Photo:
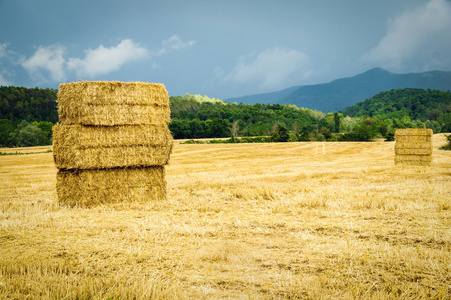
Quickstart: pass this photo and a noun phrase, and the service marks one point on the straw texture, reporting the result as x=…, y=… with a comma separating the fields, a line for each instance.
x=104, y=158
x=413, y=146
x=418, y=160
x=108, y=186
x=112, y=142
x=103, y=103
x=413, y=132
x=112, y=136
x=92, y=147
x=413, y=139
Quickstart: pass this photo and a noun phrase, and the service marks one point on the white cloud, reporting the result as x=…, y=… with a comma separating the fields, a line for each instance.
x=105, y=60
x=420, y=38
x=3, y=71
x=174, y=43
x=50, y=59
x=3, y=50
x=51, y=63
x=269, y=68
x=4, y=81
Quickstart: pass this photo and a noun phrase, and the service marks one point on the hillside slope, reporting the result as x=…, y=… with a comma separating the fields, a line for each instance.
x=264, y=98
x=341, y=93
x=417, y=103
x=430, y=106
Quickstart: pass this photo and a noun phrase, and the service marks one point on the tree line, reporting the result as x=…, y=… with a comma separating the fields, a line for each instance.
x=208, y=119
x=28, y=115
x=433, y=107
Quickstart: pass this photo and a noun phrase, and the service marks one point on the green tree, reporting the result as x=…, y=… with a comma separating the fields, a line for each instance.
x=337, y=122
x=180, y=129
x=445, y=122
x=27, y=135
x=218, y=128
x=46, y=127
x=280, y=133
x=390, y=136
x=447, y=146
x=197, y=128
x=6, y=128
x=304, y=137
x=31, y=135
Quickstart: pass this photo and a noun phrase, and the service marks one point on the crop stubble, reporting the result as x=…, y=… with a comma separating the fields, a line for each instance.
x=288, y=220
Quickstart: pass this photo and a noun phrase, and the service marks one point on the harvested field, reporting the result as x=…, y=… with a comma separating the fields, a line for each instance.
x=244, y=221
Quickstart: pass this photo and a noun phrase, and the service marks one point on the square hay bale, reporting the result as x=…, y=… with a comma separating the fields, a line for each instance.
x=87, y=188
x=413, y=146
x=413, y=151
x=413, y=132
x=413, y=139
x=105, y=103
x=424, y=145
x=415, y=160
x=103, y=147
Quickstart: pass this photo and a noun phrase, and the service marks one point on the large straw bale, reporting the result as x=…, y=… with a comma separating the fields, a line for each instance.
x=99, y=147
x=103, y=158
x=111, y=136
x=87, y=188
x=104, y=103
x=112, y=142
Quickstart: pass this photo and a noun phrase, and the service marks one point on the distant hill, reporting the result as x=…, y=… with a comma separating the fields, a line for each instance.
x=430, y=106
x=417, y=103
x=264, y=98
x=341, y=93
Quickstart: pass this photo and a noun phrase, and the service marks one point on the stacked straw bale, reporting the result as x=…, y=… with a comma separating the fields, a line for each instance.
x=413, y=147
x=112, y=142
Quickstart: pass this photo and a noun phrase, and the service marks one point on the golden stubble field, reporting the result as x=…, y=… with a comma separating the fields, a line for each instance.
x=245, y=221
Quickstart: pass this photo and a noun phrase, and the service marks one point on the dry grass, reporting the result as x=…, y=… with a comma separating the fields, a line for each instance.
x=246, y=221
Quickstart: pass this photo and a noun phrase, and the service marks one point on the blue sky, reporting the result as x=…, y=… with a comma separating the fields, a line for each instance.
x=219, y=48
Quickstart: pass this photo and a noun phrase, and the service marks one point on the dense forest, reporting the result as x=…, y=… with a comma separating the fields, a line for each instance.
x=433, y=107
x=28, y=115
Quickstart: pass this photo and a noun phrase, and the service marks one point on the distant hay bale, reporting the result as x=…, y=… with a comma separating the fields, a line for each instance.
x=418, y=160
x=98, y=147
x=413, y=139
x=104, y=103
x=413, y=151
x=112, y=142
x=413, y=146
x=413, y=132
x=425, y=145
x=86, y=188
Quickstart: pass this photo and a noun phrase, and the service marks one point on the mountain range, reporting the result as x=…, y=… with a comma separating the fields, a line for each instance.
x=344, y=92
